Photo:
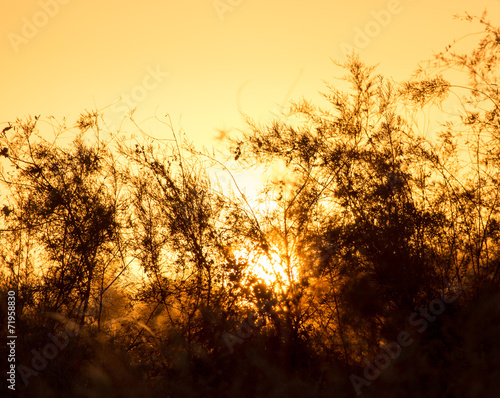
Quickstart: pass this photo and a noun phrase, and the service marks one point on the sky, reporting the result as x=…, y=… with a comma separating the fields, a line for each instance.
x=203, y=61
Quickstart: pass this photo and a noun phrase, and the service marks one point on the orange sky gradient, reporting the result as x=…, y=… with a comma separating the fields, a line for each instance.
x=205, y=61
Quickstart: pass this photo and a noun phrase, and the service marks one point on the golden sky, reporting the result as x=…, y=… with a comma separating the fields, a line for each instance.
x=204, y=61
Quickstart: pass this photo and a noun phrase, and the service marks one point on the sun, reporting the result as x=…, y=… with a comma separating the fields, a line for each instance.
x=270, y=267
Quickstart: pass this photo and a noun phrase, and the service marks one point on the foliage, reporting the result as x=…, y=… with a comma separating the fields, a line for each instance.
x=374, y=218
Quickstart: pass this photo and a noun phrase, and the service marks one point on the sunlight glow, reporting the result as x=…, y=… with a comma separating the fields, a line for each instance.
x=270, y=269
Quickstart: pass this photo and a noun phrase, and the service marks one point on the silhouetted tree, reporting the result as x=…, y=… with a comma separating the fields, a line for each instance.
x=373, y=224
